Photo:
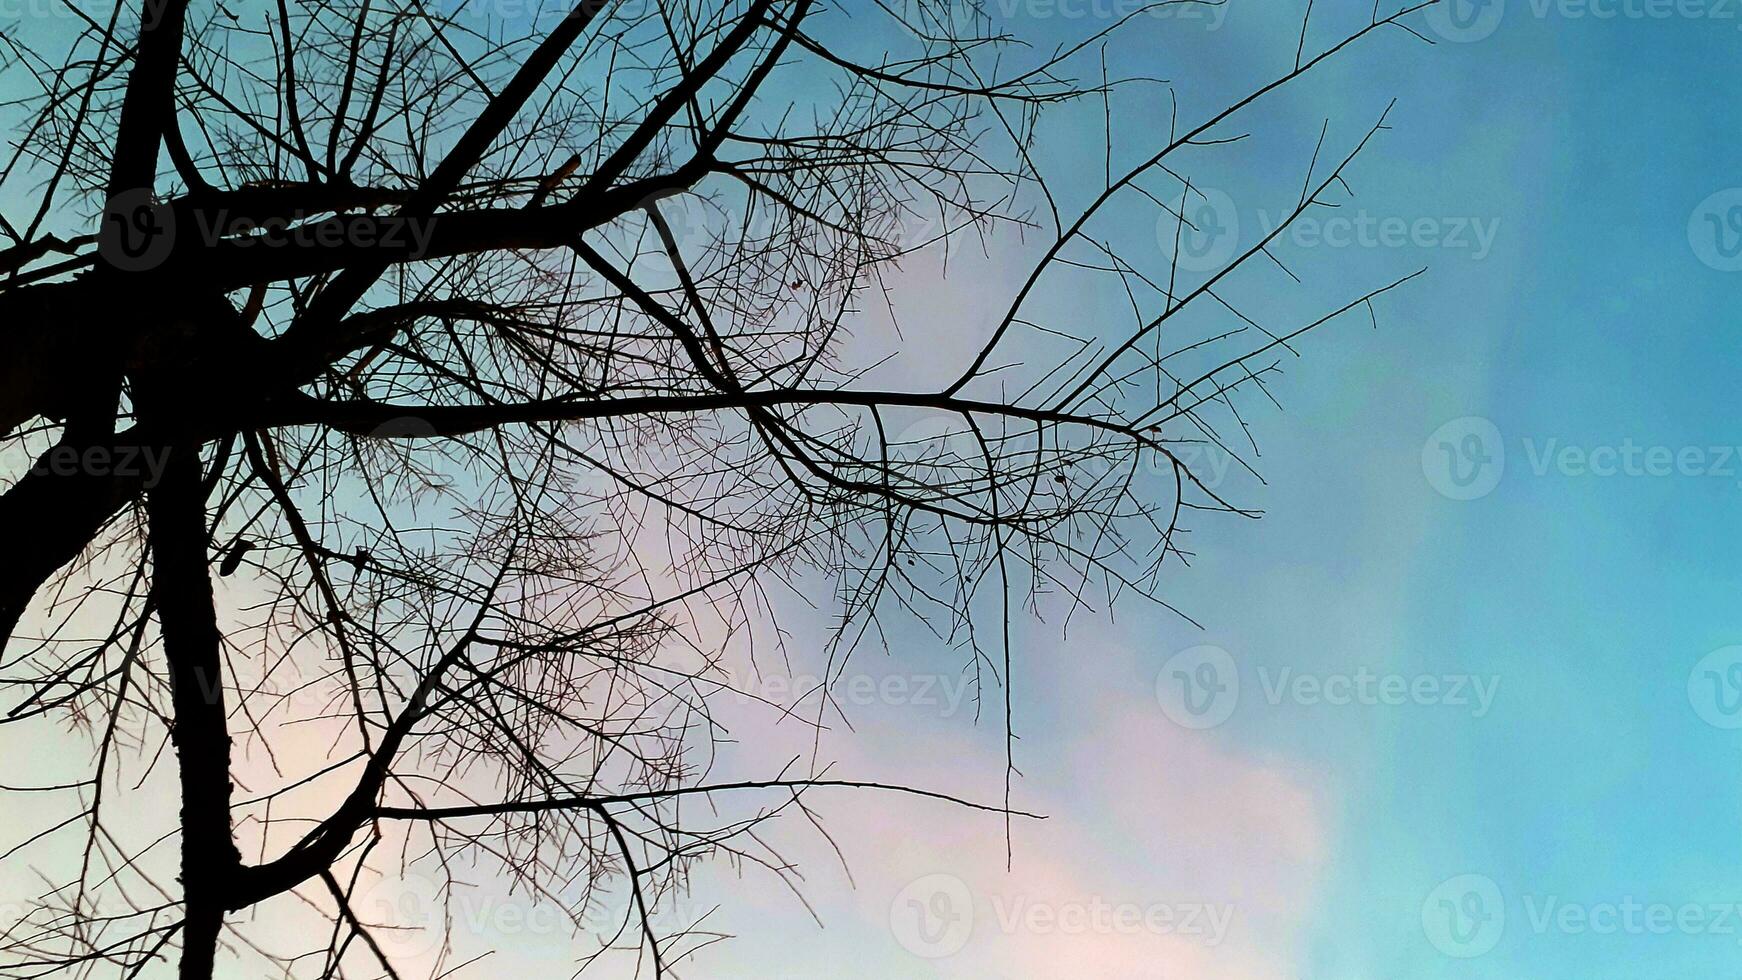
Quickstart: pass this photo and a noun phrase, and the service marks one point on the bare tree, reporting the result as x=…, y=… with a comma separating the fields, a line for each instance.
x=501, y=365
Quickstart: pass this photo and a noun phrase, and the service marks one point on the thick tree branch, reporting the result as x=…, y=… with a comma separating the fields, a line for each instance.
x=182, y=592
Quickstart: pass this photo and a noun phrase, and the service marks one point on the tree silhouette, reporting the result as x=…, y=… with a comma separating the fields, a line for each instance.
x=501, y=367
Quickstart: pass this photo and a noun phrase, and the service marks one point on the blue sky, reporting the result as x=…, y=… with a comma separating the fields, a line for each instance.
x=1593, y=782
x=1594, y=323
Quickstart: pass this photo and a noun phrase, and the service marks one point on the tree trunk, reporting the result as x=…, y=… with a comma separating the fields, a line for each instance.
x=182, y=588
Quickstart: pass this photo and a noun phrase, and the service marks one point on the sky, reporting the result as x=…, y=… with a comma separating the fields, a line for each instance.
x=1467, y=701
x=1484, y=724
